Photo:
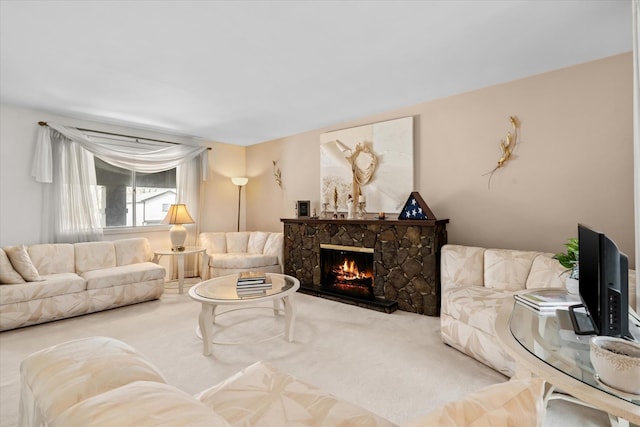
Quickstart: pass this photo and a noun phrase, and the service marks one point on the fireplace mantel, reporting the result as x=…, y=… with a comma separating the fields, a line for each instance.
x=406, y=258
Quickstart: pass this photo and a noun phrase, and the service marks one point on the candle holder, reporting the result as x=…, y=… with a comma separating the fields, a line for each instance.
x=361, y=209
x=335, y=209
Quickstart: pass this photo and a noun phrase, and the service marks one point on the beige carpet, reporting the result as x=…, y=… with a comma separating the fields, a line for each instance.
x=392, y=364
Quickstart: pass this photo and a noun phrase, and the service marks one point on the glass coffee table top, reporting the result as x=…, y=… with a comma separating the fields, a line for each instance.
x=224, y=288
x=551, y=340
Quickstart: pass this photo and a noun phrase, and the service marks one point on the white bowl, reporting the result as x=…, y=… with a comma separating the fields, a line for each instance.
x=617, y=363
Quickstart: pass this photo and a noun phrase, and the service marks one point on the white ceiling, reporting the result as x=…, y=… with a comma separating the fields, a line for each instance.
x=244, y=72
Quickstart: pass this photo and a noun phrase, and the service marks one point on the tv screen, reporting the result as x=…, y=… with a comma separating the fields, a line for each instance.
x=604, y=287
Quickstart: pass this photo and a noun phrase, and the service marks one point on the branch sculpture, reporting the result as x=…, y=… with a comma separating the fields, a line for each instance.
x=277, y=174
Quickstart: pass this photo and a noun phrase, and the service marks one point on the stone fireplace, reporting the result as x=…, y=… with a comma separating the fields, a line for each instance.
x=405, y=256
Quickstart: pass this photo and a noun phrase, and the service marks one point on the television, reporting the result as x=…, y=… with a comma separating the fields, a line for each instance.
x=603, y=288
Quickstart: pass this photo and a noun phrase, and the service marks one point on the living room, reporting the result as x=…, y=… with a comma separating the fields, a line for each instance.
x=573, y=161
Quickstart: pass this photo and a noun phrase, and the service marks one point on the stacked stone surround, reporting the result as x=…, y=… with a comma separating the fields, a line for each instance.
x=406, y=256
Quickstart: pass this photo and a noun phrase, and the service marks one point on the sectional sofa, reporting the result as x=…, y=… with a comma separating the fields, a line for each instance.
x=100, y=381
x=46, y=282
x=475, y=282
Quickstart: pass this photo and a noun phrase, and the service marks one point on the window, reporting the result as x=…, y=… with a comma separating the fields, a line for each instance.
x=131, y=199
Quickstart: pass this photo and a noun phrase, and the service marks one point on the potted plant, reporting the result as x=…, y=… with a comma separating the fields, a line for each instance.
x=569, y=260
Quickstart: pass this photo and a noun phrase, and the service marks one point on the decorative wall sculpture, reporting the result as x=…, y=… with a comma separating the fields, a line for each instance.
x=372, y=163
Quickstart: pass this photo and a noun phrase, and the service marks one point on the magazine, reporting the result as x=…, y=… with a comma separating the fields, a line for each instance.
x=548, y=299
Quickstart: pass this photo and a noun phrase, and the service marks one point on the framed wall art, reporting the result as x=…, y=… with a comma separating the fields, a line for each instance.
x=303, y=208
x=372, y=163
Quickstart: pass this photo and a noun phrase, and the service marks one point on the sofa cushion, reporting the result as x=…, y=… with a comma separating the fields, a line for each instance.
x=274, y=245
x=214, y=242
x=140, y=403
x=55, y=378
x=123, y=275
x=132, y=251
x=476, y=306
x=237, y=242
x=262, y=396
x=517, y=402
x=53, y=258
x=240, y=261
x=51, y=285
x=478, y=344
x=507, y=269
x=94, y=256
x=462, y=266
x=546, y=272
x=257, y=239
x=8, y=275
x=21, y=262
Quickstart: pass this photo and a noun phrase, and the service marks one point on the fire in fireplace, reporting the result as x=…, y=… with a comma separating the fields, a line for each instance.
x=347, y=270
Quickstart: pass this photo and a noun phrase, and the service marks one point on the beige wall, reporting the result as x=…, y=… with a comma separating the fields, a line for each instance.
x=573, y=162
x=220, y=195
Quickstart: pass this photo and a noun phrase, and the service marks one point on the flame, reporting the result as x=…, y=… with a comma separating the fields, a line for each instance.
x=349, y=271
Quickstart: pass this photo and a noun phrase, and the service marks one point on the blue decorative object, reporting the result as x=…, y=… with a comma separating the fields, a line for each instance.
x=416, y=209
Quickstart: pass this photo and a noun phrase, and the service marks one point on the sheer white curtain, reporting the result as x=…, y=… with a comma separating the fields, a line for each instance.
x=64, y=159
x=128, y=156
x=188, y=177
x=71, y=206
x=635, y=4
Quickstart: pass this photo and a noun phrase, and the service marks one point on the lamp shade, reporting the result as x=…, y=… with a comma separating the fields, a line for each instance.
x=240, y=180
x=178, y=214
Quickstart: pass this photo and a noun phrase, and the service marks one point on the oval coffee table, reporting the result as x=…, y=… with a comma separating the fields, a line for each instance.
x=222, y=291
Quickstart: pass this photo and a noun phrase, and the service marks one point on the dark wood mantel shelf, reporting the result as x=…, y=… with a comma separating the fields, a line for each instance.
x=365, y=221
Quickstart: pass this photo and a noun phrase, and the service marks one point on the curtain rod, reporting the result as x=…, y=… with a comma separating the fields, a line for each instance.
x=120, y=134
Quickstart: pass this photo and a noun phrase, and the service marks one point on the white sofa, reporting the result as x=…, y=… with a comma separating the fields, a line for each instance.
x=234, y=251
x=101, y=382
x=474, y=284
x=65, y=280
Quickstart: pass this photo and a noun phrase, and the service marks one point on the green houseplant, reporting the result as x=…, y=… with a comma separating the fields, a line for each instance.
x=569, y=260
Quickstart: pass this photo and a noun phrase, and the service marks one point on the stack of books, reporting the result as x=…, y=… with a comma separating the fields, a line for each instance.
x=251, y=283
x=548, y=300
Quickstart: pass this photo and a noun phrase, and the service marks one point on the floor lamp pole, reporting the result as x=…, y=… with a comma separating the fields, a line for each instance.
x=240, y=182
x=239, y=198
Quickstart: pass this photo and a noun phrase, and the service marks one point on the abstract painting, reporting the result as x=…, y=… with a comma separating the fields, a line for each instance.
x=374, y=161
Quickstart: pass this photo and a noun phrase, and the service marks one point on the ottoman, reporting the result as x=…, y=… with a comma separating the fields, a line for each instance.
x=58, y=377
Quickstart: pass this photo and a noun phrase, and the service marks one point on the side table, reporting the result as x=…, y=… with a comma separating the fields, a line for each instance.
x=204, y=269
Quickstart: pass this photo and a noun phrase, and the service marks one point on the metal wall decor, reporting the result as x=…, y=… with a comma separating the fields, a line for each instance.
x=506, y=147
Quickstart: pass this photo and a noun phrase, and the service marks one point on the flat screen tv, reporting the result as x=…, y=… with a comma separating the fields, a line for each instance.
x=604, y=286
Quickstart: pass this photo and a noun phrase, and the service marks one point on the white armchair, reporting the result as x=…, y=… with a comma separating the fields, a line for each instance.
x=232, y=252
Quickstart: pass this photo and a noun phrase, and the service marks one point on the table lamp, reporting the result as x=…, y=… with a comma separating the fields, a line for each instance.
x=240, y=182
x=177, y=216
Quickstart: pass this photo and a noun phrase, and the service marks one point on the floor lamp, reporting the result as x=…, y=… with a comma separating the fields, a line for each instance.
x=240, y=182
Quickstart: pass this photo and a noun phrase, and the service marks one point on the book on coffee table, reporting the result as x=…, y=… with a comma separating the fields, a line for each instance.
x=548, y=299
x=251, y=277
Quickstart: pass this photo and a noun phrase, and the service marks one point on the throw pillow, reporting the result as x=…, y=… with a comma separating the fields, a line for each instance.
x=517, y=402
x=140, y=403
x=21, y=261
x=7, y=273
